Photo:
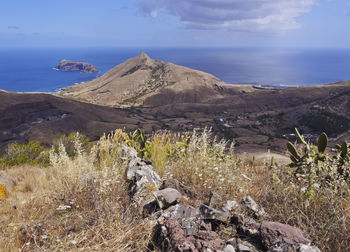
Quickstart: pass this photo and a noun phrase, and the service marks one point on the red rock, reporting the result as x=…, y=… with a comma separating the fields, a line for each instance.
x=273, y=232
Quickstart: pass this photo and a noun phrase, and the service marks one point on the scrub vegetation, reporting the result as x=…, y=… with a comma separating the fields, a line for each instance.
x=78, y=198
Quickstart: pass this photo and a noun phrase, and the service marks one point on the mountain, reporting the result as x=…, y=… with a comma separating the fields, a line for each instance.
x=144, y=81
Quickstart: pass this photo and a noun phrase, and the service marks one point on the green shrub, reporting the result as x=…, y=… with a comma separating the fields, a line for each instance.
x=31, y=153
x=139, y=141
x=73, y=143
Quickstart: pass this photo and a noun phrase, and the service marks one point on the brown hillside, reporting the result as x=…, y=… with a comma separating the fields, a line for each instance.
x=44, y=117
x=141, y=79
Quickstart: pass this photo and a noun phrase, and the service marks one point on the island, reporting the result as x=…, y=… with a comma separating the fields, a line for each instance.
x=71, y=65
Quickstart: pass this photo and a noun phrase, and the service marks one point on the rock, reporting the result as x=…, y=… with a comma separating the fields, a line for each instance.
x=144, y=180
x=147, y=161
x=71, y=65
x=245, y=246
x=245, y=226
x=179, y=212
x=170, y=236
x=274, y=232
x=215, y=200
x=150, y=207
x=233, y=242
x=167, y=197
x=142, y=175
x=257, y=210
x=173, y=183
x=208, y=213
x=230, y=205
x=229, y=248
x=208, y=239
x=190, y=225
x=7, y=181
x=193, y=236
x=307, y=248
x=130, y=155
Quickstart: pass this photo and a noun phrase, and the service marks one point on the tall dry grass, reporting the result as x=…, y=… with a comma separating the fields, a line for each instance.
x=81, y=203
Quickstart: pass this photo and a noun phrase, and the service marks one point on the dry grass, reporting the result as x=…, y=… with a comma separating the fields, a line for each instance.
x=99, y=216
x=102, y=218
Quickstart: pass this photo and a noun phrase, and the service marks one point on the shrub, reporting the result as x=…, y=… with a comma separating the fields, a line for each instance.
x=31, y=153
x=316, y=169
x=70, y=143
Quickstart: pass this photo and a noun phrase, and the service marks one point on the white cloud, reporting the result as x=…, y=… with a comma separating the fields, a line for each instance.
x=244, y=15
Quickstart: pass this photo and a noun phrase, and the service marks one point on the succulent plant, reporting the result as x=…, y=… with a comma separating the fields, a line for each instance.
x=314, y=166
x=322, y=142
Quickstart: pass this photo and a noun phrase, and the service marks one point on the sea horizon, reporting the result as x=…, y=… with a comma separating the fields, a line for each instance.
x=265, y=66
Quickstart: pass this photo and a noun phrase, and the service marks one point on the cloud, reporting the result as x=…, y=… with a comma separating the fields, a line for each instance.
x=240, y=15
x=13, y=27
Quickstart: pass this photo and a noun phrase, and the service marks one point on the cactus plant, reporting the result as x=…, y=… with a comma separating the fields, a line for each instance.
x=322, y=142
x=314, y=166
x=301, y=138
x=293, y=151
x=308, y=163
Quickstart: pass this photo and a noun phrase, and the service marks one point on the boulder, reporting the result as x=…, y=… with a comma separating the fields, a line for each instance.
x=246, y=226
x=307, y=248
x=208, y=213
x=173, y=183
x=190, y=225
x=143, y=181
x=229, y=248
x=170, y=236
x=230, y=206
x=130, y=155
x=167, y=197
x=208, y=240
x=178, y=212
x=253, y=207
x=277, y=233
x=151, y=206
x=245, y=246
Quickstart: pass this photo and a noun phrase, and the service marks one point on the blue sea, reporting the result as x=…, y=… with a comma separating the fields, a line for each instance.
x=31, y=69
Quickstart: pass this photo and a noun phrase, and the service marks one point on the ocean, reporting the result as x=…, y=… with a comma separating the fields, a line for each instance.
x=31, y=69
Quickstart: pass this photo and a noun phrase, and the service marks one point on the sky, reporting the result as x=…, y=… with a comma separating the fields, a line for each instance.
x=175, y=23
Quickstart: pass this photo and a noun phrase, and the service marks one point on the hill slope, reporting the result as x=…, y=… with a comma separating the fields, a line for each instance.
x=44, y=117
x=138, y=79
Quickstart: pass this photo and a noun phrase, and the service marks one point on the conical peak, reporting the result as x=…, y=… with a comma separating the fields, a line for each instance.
x=143, y=55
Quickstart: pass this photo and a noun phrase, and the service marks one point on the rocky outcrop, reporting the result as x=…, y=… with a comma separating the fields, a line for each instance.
x=71, y=65
x=214, y=226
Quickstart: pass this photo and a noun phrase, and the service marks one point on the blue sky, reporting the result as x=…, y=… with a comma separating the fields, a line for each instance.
x=169, y=23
